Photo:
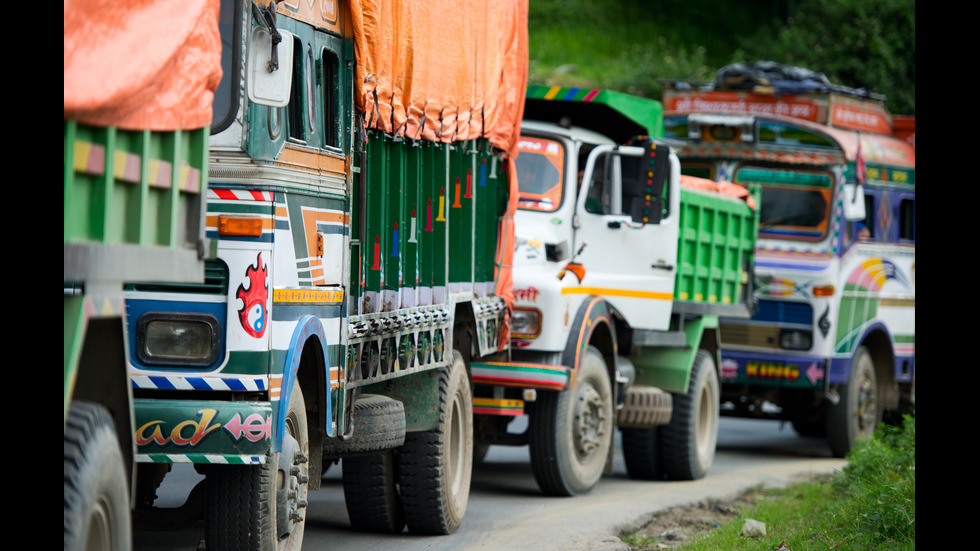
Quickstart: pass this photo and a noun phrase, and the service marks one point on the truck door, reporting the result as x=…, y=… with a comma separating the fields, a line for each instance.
x=626, y=214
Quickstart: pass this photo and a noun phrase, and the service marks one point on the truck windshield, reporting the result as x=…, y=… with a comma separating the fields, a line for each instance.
x=795, y=203
x=539, y=174
x=226, y=96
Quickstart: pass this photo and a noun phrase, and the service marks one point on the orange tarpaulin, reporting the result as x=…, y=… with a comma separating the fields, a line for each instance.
x=443, y=71
x=142, y=64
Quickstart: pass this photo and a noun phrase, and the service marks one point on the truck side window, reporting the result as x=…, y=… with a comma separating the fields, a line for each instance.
x=866, y=227
x=906, y=220
x=598, y=200
x=294, y=111
x=330, y=64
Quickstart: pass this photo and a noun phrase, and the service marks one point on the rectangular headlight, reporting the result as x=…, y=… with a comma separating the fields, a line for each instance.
x=795, y=339
x=181, y=339
x=526, y=323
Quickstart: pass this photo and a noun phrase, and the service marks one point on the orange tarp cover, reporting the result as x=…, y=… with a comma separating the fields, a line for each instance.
x=444, y=71
x=141, y=64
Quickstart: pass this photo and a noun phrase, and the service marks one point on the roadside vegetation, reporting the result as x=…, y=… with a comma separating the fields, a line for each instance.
x=632, y=45
x=869, y=505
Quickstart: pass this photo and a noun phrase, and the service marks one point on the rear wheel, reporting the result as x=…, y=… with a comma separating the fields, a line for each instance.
x=97, y=512
x=435, y=466
x=688, y=441
x=641, y=452
x=371, y=493
x=858, y=412
x=263, y=507
x=571, y=431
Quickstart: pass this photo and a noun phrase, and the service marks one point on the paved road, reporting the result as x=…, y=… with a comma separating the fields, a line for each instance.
x=506, y=510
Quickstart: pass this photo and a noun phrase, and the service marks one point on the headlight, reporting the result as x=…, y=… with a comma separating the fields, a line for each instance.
x=526, y=323
x=178, y=339
x=795, y=339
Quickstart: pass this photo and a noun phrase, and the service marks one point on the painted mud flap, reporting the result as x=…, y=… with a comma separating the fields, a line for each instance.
x=178, y=431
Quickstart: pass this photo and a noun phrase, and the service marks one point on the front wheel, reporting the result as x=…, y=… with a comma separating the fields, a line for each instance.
x=435, y=466
x=263, y=507
x=858, y=412
x=97, y=513
x=688, y=441
x=571, y=431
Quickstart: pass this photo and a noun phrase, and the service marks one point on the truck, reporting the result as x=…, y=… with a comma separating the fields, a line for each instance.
x=831, y=347
x=359, y=194
x=134, y=197
x=620, y=276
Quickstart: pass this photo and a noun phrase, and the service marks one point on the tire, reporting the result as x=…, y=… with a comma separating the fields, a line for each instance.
x=571, y=431
x=371, y=493
x=262, y=507
x=811, y=426
x=858, y=412
x=379, y=425
x=641, y=452
x=435, y=466
x=688, y=441
x=97, y=509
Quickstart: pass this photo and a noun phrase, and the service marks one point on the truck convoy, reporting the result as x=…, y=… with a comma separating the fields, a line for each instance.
x=360, y=199
x=136, y=150
x=831, y=347
x=620, y=276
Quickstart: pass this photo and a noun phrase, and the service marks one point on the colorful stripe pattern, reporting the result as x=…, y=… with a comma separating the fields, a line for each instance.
x=200, y=458
x=490, y=406
x=527, y=375
x=169, y=382
x=127, y=167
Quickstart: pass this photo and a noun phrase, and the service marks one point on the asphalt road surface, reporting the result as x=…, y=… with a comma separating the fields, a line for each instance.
x=507, y=511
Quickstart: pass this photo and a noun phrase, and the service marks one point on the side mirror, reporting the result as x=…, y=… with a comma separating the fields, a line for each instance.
x=644, y=177
x=270, y=68
x=854, y=202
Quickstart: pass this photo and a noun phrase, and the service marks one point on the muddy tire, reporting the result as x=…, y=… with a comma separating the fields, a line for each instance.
x=371, y=493
x=858, y=412
x=571, y=431
x=435, y=466
x=263, y=507
x=688, y=441
x=97, y=512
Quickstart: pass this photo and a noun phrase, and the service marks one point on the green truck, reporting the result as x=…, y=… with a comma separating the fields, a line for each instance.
x=133, y=204
x=621, y=274
x=357, y=236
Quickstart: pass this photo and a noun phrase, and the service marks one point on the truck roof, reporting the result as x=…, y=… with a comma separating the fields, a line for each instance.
x=615, y=115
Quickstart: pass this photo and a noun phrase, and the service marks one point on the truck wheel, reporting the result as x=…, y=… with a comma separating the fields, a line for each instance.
x=262, y=507
x=435, y=466
x=858, y=411
x=97, y=512
x=688, y=441
x=641, y=451
x=371, y=493
x=570, y=431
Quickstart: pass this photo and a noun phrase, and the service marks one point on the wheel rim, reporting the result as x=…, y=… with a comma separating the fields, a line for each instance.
x=99, y=527
x=292, y=482
x=706, y=423
x=589, y=422
x=455, y=445
x=866, y=406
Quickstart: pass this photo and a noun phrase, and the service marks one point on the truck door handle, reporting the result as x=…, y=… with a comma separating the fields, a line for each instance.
x=614, y=224
x=668, y=267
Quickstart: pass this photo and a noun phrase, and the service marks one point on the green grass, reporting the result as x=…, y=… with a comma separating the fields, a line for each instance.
x=870, y=505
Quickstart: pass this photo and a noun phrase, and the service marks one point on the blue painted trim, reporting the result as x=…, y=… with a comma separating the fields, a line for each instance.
x=307, y=327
